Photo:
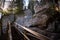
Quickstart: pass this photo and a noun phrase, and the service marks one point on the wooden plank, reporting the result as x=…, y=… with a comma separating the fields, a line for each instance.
x=40, y=36
x=9, y=31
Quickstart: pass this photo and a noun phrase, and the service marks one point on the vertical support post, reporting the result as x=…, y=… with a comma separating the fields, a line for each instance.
x=25, y=34
x=8, y=31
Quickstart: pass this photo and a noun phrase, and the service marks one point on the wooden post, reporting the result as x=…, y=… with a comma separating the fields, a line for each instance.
x=8, y=31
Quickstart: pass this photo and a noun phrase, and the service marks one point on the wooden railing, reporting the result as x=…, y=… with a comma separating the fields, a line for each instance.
x=25, y=30
x=38, y=35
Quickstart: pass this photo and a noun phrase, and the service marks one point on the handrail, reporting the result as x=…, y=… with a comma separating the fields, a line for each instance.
x=22, y=34
x=40, y=36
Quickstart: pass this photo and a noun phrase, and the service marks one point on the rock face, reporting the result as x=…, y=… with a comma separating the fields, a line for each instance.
x=40, y=17
x=28, y=16
x=40, y=6
x=53, y=25
x=23, y=19
x=5, y=20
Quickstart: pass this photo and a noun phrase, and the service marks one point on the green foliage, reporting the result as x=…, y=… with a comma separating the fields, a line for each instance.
x=18, y=7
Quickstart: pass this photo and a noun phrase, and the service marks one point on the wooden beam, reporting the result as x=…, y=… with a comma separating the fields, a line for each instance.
x=40, y=36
